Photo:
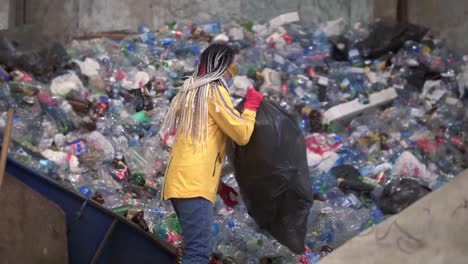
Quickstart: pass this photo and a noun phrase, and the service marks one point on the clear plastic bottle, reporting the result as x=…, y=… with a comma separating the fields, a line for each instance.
x=72, y=116
x=97, y=142
x=355, y=57
x=229, y=247
x=49, y=106
x=135, y=160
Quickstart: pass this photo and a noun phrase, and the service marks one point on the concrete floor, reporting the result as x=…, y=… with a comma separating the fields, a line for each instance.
x=32, y=228
x=432, y=230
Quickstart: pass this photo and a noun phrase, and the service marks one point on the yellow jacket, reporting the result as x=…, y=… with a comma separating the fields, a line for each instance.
x=193, y=173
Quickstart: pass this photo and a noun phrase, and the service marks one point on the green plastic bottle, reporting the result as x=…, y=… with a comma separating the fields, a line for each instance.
x=141, y=117
x=120, y=210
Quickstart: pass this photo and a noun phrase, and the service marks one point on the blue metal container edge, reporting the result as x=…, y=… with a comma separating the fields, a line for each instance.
x=15, y=168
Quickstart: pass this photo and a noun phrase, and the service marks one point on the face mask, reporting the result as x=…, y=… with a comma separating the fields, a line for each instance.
x=233, y=69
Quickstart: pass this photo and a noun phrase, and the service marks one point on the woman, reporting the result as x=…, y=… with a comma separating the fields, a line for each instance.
x=203, y=117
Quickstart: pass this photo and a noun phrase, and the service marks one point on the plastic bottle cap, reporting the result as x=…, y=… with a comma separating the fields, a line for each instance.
x=86, y=191
x=231, y=224
x=104, y=99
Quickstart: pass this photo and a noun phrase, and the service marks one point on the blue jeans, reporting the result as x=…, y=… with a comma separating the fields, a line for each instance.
x=196, y=219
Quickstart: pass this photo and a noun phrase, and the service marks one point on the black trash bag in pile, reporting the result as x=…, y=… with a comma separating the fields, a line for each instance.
x=348, y=180
x=389, y=37
x=272, y=173
x=401, y=194
x=32, y=52
x=418, y=76
x=340, y=48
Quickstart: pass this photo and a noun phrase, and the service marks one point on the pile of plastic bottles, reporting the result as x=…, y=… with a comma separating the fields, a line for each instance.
x=95, y=125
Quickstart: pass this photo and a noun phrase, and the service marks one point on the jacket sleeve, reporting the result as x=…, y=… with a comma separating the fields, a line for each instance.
x=238, y=127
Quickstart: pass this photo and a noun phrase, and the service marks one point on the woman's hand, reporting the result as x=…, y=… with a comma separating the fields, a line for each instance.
x=253, y=99
x=225, y=192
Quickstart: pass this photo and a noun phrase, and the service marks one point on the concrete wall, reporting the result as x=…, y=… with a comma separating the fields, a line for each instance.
x=385, y=9
x=446, y=19
x=59, y=17
x=54, y=17
x=4, y=13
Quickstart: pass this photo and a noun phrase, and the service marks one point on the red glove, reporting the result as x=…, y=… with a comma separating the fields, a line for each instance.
x=225, y=193
x=252, y=99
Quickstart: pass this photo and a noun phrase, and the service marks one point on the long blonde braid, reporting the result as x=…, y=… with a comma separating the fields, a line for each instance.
x=188, y=112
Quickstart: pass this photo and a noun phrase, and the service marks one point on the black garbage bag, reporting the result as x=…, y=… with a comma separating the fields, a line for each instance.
x=418, y=76
x=31, y=52
x=141, y=101
x=340, y=48
x=348, y=178
x=272, y=173
x=389, y=37
x=400, y=195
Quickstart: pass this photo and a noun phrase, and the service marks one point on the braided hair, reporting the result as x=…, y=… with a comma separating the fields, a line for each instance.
x=188, y=112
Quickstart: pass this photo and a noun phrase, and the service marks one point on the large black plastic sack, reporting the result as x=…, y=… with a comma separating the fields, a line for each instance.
x=401, y=194
x=272, y=173
x=389, y=37
x=32, y=52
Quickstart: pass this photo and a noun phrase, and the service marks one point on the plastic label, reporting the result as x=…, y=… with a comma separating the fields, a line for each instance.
x=353, y=53
x=77, y=147
x=318, y=144
x=322, y=81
